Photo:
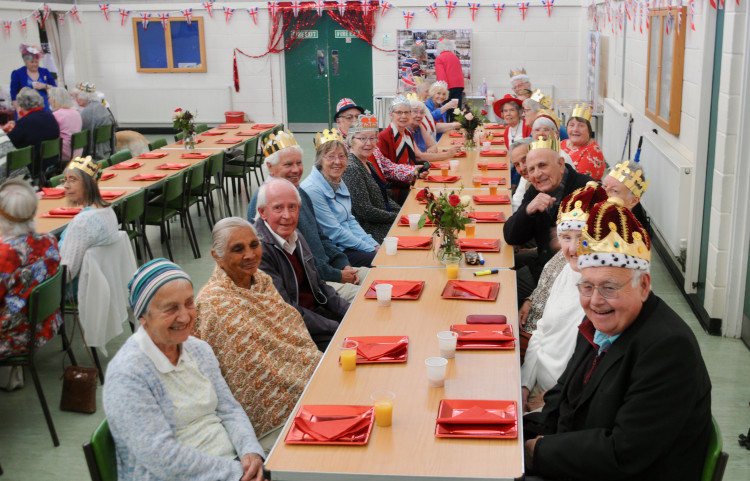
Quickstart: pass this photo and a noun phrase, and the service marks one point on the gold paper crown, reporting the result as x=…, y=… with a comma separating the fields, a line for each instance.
x=542, y=98
x=613, y=242
x=86, y=87
x=633, y=180
x=550, y=143
x=279, y=140
x=412, y=97
x=582, y=111
x=552, y=116
x=85, y=164
x=328, y=136
x=520, y=71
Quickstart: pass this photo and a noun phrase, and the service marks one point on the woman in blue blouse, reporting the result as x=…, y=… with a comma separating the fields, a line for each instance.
x=31, y=75
x=437, y=105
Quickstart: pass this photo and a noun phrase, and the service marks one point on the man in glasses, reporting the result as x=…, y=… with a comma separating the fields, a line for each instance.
x=634, y=402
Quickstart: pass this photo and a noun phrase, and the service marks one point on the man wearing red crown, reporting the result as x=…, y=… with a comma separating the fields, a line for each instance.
x=634, y=402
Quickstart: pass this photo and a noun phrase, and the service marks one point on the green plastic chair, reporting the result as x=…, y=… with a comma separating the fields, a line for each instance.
x=239, y=171
x=133, y=224
x=716, y=459
x=79, y=140
x=201, y=128
x=178, y=136
x=51, y=150
x=166, y=206
x=157, y=144
x=45, y=299
x=120, y=156
x=105, y=163
x=101, y=454
x=104, y=133
x=18, y=159
x=215, y=181
x=56, y=180
x=197, y=190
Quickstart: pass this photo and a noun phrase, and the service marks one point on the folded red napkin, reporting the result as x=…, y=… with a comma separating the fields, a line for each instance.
x=214, y=132
x=473, y=288
x=373, y=352
x=442, y=178
x=197, y=141
x=487, y=216
x=487, y=332
x=193, y=155
x=479, y=244
x=262, y=126
x=107, y=175
x=404, y=220
x=111, y=194
x=491, y=199
x=152, y=155
x=128, y=165
x=53, y=193
x=228, y=126
x=493, y=126
x=499, y=180
x=401, y=288
x=333, y=429
x=173, y=166
x=456, y=134
x=497, y=142
x=148, y=176
x=414, y=242
x=493, y=153
x=458, y=154
x=250, y=133
x=497, y=166
x=228, y=141
x=477, y=415
x=439, y=165
x=62, y=212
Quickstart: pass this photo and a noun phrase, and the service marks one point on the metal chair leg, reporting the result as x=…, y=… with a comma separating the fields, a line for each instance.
x=43, y=402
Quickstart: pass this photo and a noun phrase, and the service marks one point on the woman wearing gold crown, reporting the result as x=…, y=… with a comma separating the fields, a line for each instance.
x=585, y=153
x=94, y=114
x=95, y=225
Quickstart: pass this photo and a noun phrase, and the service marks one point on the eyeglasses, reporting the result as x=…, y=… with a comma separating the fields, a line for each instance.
x=608, y=290
x=333, y=158
x=70, y=180
x=401, y=112
x=365, y=140
x=348, y=117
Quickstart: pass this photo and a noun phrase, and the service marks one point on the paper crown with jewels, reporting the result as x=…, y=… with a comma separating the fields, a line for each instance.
x=364, y=123
x=279, y=140
x=574, y=209
x=551, y=143
x=582, y=111
x=328, y=136
x=517, y=72
x=399, y=100
x=633, y=179
x=550, y=114
x=84, y=164
x=86, y=87
x=441, y=84
x=542, y=98
x=613, y=237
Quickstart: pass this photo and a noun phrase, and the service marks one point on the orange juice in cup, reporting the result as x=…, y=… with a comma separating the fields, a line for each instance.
x=383, y=403
x=477, y=180
x=493, y=187
x=470, y=229
x=348, y=355
x=451, y=270
x=444, y=170
x=483, y=166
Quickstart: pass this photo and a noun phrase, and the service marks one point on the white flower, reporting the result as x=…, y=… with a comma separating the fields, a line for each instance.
x=456, y=111
x=465, y=199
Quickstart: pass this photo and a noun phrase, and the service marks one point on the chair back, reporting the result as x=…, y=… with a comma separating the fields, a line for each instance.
x=105, y=163
x=46, y=298
x=56, y=180
x=215, y=164
x=173, y=187
x=201, y=128
x=178, y=136
x=101, y=454
x=120, y=156
x=134, y=206
x=79, y=140
x=716, y=459
x=157, y=144
x=51, y=148
x=103, y=133
x=251, y=149
x=197, y=178
x=19, y=158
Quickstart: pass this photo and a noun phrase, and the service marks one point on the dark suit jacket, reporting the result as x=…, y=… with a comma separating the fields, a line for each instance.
x=645, y=413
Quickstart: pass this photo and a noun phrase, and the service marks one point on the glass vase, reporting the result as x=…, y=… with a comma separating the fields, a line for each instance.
x=188, y=141
x=449, y=251
x=469, y=143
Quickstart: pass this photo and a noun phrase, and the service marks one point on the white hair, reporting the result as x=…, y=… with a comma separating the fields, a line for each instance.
x=17, y=199
x=275, y=158
x=262, y=201
x=545, y=121
x=533, y=105
x=60, y=98
x=523, y=77
x=223, y=229
x=87, y=96
x=446, y=45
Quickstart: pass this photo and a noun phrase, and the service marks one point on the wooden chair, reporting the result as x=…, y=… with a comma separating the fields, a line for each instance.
x=101, y=454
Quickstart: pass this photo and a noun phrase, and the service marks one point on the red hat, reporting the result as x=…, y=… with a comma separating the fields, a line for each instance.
x=498, y=106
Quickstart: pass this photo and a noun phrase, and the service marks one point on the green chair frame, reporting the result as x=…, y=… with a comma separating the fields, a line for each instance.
x=101, y=454
x=133, y=222
x=168, y=205
x=45, y=299
x=103, y=133
x=215, y=181
x=120, y=156
x=196, y=190
x=51, y=149
x=238, y=171
x=157, y=144
x=56, y=180
x=80, y=140
x=716, y=458
x=18, y=159
x=201, y=128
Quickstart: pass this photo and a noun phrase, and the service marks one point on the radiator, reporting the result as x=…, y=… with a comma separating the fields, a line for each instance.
x=614, y=131
x=668, y=196
x=154, y=107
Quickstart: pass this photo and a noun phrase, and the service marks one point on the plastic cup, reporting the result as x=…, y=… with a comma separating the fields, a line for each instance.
x=493, y=187
x=486, y=146
x=451, y=270
x=482, y=166
x=447, y=343
x=443, y=171
x=476, y=179
x=471, y=228
x=391, y=245
x=436, y=371
x=414, y=221
x=383, y=403
x=454, y=165
x=348, y=353
x=383, y=292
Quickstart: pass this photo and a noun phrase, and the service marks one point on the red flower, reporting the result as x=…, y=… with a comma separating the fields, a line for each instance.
x=484, y=112
x=454, y=200
x=178, y=110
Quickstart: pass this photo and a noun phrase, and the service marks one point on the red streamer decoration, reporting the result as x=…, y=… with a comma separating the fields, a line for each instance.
x=235, y=72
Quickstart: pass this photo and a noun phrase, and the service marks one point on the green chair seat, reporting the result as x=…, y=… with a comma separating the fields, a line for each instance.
x=101, y=454
x=716, y=459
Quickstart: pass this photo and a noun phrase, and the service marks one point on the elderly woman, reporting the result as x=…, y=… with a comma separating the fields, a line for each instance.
x=553, y=337
x=333, y=204
x=265, y=351
x=94, y=114
x=31, y=75
x=67, y=118
x=585, y=153
x=27, y=259
x=614, y=183
x=510, y=109
x=439, y=107
x=519, y=82
x=425, y=146
x=95, y=225
x=170, y=412
x=410, y=68
x=371, y=204
x=35, y=124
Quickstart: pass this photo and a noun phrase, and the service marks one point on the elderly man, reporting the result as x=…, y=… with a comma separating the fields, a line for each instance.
x=94, y=114
x=628, y=182
x=551, y=180
x=518, y=152
x=332, y=264
x=519, y=81
x=634, y=402
x=291, y=264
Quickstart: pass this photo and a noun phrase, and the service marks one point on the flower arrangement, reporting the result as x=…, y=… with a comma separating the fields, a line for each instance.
x=448, y=211
x=470, y=119
x=184, y=120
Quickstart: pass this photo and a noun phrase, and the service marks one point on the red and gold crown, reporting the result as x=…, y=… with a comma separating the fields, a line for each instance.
x=328, y=136
x=517, y=72
x=574, y=209
x=612, y=237
x=582, y=111
x=632, y=178
x=364, y=123
x=551, y=143
x=550, y=114
x=542, y=98
x=85, y=164
x=277, y=141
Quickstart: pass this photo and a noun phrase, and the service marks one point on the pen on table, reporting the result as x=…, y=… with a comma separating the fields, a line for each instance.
x=486, y=272
x=481, y=258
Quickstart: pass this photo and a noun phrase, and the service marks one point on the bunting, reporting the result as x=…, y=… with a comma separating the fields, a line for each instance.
x=296, y=6
x=164, y=18
x=365, y=7
x=61, y=17
x=450, y=6
x=342, y=7
x=47, y=11
x=74, y=13
x=384, y=7
x=124, y=14
x=498, y=10
x=22, y=24
x=209, y=8
x=253, y=12
x=7, y=26
x=188, y=14
x=320, y=6
x=104, y=7
x=433, y=10
x=548, y=4
x=692, y=15
x=523, y=8
x=37, y=16
x=408, y=17
x=228, y=12
x=144, y=19
x=474, y=7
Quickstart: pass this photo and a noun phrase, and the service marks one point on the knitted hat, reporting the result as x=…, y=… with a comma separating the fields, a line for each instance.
x=148, y=279
x=574, y=209
x=612, y=237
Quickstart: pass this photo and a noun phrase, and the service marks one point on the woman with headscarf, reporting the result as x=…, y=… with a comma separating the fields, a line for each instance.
x=31, y=75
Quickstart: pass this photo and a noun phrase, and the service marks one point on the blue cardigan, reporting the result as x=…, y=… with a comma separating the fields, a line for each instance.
x=141, y=419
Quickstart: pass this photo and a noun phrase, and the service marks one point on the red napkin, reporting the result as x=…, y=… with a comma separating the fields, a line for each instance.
x=128, y=165
x=53, y=193
x=493, y=126
x=228, y=126
x=111, y=194
x=404, y=220
x=262, y=126
x=497, y=166
x=148, y=177
x=440, y=165
x=331, y=430
x=456, y=134
x=477, y=415
x=173, y=166
x=197, y=141
x=401, y=288
x=479, y=244
x=228, y=141
x=502, y=332
x=62, y=212
x=193, y=155
x=214, y=132
x=497, y=142
x=491, y=199
x=493, y=153
x=443, y=178
x=473, y=288
x=152, y=155
x=487, y=216
x=373, y=352
x=487, y=180
x=458, y=154
x=107, y=175
x=414, y=242
x=250, y=133
x=421, y=195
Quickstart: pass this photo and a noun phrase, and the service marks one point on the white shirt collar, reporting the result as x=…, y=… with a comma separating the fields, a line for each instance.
x=288, y=246
x=160, y=360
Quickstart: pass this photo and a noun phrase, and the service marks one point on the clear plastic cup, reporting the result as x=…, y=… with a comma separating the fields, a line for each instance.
x=414, y=221
x=447, y=343
x=348, y=354
x=383, y=293
x=383, y=403
x=454, y=165
x=493, y=187
x=436, y=371
x=391, y=245
x=486, y=146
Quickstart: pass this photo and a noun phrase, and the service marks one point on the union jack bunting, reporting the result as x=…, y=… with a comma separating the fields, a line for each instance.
x=47, y=11
x=450, y=6
x=384, y=7
x=474, y=7
x=342, y=6
x=320, y=6
x=209, y=8
x=365, y=7
x=144, y=19
x=433, y=10
x=7, y=26
x=273, y=9
x=61, y=17
x=523, y=8
x=22, y=24
x=36, y=15
x=74, y=13
x=124, y=14
x=188, y=14
x=408, y=17
x=228, y=12
x=104, y=7
x=296, y=6
x=692, y=15
x=164, y=18
x=253, y=12
x=498, y=10
x=548, y=4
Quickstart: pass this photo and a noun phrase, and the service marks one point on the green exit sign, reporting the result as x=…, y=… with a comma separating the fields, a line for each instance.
x=307, y=34
x=344, y=34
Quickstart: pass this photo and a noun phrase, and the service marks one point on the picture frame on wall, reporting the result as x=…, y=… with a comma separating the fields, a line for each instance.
x=405, y=39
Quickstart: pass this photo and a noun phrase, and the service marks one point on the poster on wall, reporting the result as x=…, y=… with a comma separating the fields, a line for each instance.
x=430, y=38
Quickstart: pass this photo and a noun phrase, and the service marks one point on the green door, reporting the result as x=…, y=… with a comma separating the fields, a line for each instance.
x=329, y=64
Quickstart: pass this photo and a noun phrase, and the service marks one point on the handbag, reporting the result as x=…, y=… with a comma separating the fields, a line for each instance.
x=79, y=382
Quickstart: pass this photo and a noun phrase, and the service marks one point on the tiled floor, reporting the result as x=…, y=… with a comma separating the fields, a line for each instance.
x=26, y=451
